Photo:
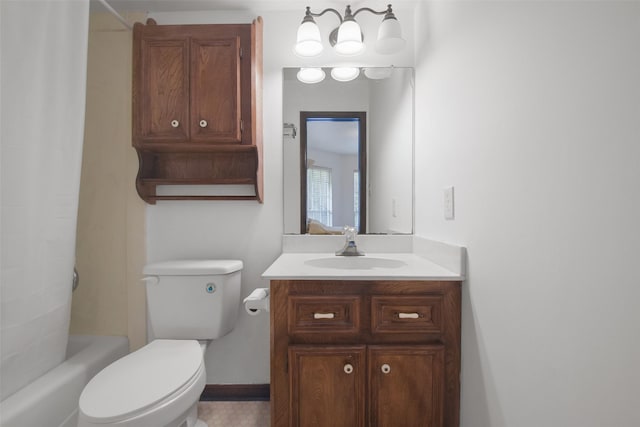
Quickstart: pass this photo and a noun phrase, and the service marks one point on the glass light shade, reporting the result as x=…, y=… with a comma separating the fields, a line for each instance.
x=308, y=42
x=311, y=75
x=345, y=74
x=378, y=73
x=349, y=39
x=389, y=37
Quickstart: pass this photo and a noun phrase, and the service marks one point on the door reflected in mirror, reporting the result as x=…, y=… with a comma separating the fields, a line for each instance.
x=384, y=203
x=333, y=178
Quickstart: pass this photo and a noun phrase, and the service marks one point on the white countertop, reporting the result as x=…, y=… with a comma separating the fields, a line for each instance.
x=372, y=266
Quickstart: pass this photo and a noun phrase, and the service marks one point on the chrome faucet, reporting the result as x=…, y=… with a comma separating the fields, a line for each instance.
x=349, y=248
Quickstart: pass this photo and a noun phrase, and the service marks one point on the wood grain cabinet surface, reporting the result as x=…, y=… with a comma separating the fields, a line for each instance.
x=197, y=117
x=365, y=353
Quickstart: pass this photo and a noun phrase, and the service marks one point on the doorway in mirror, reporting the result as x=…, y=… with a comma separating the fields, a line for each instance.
x=333, y=160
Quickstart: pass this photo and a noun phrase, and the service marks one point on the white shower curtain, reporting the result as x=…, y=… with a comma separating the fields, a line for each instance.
x=43, y=74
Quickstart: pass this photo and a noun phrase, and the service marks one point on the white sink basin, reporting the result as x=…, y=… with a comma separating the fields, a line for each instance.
x=355, y=263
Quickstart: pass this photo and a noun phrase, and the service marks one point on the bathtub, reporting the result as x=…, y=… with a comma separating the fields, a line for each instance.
x=52, y=399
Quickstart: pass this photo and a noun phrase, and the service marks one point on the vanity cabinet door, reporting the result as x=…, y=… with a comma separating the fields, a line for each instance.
x=327, y=386
x=406, y=386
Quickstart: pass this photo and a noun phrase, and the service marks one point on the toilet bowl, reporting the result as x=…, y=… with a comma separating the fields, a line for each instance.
x=159, y=385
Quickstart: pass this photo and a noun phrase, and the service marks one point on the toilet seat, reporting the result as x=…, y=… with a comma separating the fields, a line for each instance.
x=160, y=372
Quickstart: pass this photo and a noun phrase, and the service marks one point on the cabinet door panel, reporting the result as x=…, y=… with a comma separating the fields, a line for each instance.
x=215, y=90
x=406, y=386
x=327, y=386
x=165, y=105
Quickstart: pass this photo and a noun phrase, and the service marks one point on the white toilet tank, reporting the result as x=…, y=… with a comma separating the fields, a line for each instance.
x=192, y=299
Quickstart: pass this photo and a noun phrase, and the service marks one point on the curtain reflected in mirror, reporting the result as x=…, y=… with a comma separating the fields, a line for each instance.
x=333, y=171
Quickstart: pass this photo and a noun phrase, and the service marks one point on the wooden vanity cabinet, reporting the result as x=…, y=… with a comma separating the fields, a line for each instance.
x=365, y=353
x=197, y=106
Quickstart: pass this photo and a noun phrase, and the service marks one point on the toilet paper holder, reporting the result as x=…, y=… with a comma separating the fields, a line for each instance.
x=257, y=301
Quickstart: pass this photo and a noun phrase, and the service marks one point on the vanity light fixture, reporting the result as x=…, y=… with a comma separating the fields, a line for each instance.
x=347, y=39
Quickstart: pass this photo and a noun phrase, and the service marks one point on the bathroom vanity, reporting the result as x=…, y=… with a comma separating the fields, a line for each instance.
x=364, y=341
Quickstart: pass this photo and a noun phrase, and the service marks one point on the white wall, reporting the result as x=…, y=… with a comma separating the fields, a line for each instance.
x=391, y=143
x=532, y=111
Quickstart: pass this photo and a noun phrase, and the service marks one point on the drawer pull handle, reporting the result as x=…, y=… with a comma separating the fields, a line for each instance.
x=348, y=368
x=408, y=315
x=385, y=368
x=203, y=123
x=324, y=315
x=175, y=123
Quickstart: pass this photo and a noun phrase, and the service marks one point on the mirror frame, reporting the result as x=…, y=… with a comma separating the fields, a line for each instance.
x=362, y=161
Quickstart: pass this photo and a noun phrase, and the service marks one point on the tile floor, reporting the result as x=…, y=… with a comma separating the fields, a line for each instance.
x=235, y=414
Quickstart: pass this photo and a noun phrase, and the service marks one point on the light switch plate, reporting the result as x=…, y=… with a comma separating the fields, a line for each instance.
x=448, y=202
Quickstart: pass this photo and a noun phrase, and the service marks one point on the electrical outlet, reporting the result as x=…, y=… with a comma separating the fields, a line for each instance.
x=393, y=208
x=448, y=202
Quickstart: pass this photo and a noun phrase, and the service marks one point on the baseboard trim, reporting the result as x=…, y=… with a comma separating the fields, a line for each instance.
x=231, y=392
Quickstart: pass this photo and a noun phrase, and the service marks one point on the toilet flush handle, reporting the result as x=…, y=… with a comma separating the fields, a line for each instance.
x=151, y=279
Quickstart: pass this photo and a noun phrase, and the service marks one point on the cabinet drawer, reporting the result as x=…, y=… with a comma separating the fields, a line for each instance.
x=321, y=314
x=406, y=314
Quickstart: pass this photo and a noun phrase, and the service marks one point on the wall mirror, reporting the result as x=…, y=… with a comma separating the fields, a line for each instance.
x=358, y=135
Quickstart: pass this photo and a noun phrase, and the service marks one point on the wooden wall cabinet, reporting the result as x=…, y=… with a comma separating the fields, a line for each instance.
x=365, y=353
x=197, y=107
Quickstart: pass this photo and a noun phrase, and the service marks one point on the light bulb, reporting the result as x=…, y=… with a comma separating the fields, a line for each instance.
x=311, y=75
x=345, y=74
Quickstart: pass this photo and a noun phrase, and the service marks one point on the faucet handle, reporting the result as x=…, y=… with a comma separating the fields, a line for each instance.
x=349, y=233
x=350, y=248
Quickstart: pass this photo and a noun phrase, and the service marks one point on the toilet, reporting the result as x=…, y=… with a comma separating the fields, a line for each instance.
x=189, y=303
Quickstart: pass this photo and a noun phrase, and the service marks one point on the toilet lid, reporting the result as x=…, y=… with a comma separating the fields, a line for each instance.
x=141, y=379
x=193, y=267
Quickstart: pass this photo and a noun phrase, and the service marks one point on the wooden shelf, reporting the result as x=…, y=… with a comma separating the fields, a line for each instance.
x=189, y=147
x=199, y=181
x=210, y=167
x=153, y=199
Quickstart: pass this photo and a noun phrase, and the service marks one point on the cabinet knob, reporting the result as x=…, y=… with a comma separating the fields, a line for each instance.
x=175, y=123
x=203, y=123
x=348, y=368
x=385, y=368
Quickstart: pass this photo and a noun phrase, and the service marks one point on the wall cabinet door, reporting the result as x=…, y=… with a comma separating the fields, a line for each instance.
x=194, y=85
x=215, y=90
x=164, y=107
x=327, y=386
x=406, y=385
